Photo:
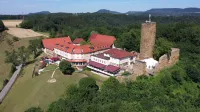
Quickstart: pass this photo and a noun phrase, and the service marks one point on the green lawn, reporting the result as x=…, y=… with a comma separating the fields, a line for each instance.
x=36, y=91
x=98, y=78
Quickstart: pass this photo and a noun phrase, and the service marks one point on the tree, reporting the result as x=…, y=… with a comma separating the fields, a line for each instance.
x=166, y=80
x=177, y=76
x=35, y=46
x=88, y=82
x=13, y=69
x=66, y=67
x=52, y=33
x=58, y=106
x=193, y=73
x=128, y=41
x=162, y=47
x=34, y=109
x=2, y=27
x=23, y=54
x=12, y=57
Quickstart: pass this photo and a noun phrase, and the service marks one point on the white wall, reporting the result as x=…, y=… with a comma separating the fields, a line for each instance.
x=99, y=60
x=72, y=56
x=61, y=53
x=113, y=61
x=150, y=63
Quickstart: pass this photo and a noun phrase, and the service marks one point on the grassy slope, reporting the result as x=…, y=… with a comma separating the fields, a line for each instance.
x=36, y=91
x=5, y=68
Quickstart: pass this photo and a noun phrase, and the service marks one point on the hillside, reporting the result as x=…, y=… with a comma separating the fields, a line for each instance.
x=5, y=45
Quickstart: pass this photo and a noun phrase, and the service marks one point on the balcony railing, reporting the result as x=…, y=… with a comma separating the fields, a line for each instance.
x=104, y=72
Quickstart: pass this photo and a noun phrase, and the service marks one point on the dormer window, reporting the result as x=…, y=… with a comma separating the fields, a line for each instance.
x=61, y=45
x=91, y=48
x=66, y=48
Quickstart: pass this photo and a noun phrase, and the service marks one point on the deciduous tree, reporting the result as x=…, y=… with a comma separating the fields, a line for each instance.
x=66, y=67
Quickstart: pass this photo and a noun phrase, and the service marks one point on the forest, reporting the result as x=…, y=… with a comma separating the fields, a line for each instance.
x=175, y=89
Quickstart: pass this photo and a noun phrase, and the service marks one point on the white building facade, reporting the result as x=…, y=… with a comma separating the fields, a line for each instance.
x=111, y=61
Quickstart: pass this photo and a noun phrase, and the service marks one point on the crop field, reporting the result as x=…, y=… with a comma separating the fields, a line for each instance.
x=23, y=33
x=12, y=23
x=19, y=32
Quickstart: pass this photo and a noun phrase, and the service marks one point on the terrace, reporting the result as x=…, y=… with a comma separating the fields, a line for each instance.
x=107, y=70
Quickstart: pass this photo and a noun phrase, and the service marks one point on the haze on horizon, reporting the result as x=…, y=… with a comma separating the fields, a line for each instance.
x=75, y=6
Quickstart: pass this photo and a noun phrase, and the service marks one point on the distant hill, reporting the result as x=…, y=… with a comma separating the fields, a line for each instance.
x=107, y=11
x=42, y=12
x=134, y=12
x=175, y=10
x=158, y=11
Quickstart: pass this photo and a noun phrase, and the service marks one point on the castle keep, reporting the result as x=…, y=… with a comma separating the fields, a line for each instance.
x=148, y=38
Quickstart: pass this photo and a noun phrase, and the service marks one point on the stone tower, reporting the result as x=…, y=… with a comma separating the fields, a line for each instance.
x=148, y=37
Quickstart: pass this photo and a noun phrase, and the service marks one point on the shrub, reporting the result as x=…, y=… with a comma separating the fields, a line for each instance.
x=34, y=109
x=9, y=42
x=5, y=82
x=13, y=69
x=86, y=69
x=126, y=73
x=66, y=67
x=15, y=39
x=142, y=77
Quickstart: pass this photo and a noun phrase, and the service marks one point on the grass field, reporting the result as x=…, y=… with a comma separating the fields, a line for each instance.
x=36, y=91
x=4, y=46
x=98, y=78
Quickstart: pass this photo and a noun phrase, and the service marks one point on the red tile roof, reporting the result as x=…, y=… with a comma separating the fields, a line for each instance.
x=102, y=56
x=65, y=44
x=119, y=54
x=99, y=40
x=112, y=68
x=109, y=68
x=51, y=43
x=97, y=65
x=78, y=40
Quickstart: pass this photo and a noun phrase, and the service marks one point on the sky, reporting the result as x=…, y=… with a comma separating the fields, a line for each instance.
x=77, y=6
